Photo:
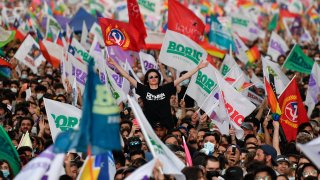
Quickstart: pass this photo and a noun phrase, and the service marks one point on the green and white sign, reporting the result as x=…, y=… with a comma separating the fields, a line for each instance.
x=180, y=52
x=150, y=7
x=298, y=61
x=202, y=84
x=61, y=116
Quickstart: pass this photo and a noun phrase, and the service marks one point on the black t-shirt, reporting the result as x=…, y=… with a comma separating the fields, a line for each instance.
x=156, y=103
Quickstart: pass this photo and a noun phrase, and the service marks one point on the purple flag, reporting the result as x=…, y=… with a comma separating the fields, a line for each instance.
x=119, y=55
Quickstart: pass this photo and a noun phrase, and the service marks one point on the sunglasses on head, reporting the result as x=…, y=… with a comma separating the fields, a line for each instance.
x=151, y=77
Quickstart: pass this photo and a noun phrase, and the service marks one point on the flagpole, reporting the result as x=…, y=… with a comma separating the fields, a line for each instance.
x=288, y=56
x=144, y=132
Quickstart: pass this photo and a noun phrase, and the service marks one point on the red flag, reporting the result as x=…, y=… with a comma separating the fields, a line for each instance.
x=121, y=34
x=135, y=18
x=4, y=63
x=293, y=111
x=51, y=59
x=184, y=21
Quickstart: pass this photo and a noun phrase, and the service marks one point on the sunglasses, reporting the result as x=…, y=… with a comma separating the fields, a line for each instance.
x=151, y=77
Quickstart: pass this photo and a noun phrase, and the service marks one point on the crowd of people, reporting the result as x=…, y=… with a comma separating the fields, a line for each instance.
x=260, y=154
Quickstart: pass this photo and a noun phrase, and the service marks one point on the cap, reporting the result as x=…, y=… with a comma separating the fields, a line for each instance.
x=282, y=158
x=269, y=150
x=158, y=125
x=234, y=172
x=247, y=125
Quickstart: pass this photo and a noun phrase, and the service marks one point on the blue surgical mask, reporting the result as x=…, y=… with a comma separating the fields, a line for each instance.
x=5, y=173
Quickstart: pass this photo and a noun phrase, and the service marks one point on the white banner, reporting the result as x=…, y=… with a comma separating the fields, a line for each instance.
x=277, y=46
x=171, y=163
x=238, y=107
x=280, y=79
x=61, y=116
x=180, y=52
x=42, y=164
x=147, y=62
x=29, y=54
x=78, y=70
x=150, y=7
x=313, y=90
x=202, y=84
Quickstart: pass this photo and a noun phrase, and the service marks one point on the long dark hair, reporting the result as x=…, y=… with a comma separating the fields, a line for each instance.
x=146, y=82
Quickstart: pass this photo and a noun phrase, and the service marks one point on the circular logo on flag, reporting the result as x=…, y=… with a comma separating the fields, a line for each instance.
x=291, y=111
x=116, y=36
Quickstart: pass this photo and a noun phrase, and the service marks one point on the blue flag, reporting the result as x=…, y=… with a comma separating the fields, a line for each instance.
x=220, y=35
x=99, y=125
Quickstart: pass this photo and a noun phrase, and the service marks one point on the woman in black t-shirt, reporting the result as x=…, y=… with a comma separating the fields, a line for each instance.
x=156, y=98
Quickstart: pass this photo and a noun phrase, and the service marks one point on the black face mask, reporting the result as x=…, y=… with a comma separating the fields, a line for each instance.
x=211, y=174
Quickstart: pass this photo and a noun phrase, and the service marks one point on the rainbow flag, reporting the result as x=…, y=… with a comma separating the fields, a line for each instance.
x=212, y=50
x=272, y=100
x=313, y=15
x=253, y=54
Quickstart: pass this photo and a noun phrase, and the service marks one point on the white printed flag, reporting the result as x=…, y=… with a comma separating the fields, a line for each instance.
x=241, y=49
x=280, y=79
x=202, y=84
x=147, y=62
x=180, y=52
x=29, y=54
x=313, y=90
x=61, y=116
x=171, y=163
x=277, y=46
x=38, y=167
x=238, y=107
x=312, y=150
x=227, y=64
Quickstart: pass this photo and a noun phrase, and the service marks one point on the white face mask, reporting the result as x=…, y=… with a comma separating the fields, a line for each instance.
x=14, y=90
x=24, y=76
x=49, y=72
x=39, y=96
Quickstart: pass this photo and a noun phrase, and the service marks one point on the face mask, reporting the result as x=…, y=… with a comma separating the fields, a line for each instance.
x=24, y=76
x=5, y=173
x=211, y=174
x=59, y=93
x=185, y=82
x=14, y=90
x=39, y=96
x=49, y=72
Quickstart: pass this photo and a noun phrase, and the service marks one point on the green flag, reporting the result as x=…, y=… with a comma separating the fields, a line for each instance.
x=273, y=23
x=8, y=152
x=6, y=36
x=298, y=61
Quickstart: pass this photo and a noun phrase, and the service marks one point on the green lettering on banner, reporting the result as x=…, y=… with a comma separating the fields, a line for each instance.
x=187, y=52
x=64, y=123
x=225, y=70
x=85, y=56
x=103, y=104
x=147, y=4
x=205, y=83
x=157, y=147
x=239, y=21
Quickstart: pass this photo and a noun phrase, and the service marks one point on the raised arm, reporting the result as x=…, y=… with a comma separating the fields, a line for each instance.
x=123, y=73
x=201, y=65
